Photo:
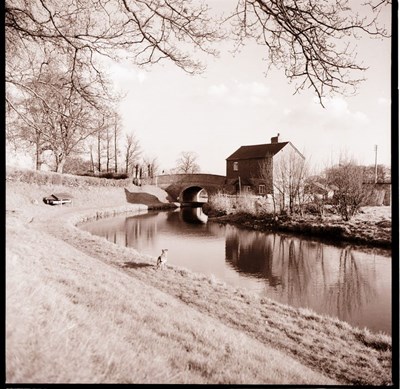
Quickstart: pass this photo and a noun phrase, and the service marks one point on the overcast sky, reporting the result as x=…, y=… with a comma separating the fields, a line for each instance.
x=234, y=103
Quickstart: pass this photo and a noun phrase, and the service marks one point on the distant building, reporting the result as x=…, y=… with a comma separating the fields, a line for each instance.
x=316, y=188
x=255, y=169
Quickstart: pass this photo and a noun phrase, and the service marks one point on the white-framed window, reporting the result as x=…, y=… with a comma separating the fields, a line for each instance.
x=261, y=189
x=235, y=166
x=247, y=188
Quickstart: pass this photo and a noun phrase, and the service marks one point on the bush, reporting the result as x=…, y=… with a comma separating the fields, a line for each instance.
x=312, y=208
x=264, y=206
x=220, y=203
x=245, y=204
x=114, y=176
x=350, y=193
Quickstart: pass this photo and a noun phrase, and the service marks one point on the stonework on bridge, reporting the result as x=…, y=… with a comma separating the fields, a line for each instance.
x=187, y=187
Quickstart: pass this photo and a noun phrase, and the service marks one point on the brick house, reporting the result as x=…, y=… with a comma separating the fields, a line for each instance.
x=253, y=169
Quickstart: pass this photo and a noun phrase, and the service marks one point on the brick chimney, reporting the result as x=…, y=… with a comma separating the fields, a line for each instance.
x=275, y=139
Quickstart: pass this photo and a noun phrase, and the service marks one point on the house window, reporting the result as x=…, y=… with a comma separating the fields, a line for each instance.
x=235, y=166
x=261, y=189
x=247, y=188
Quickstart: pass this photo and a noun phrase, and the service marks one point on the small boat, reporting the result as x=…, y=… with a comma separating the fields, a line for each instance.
x=58, y=199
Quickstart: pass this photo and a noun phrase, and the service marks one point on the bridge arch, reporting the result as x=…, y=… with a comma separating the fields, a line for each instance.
x=188, y=187
x=193, y=194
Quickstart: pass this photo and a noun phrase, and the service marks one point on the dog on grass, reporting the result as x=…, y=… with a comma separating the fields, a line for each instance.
x=162, y=259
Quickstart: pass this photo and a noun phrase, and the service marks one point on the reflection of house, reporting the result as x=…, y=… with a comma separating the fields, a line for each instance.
x=254, y=168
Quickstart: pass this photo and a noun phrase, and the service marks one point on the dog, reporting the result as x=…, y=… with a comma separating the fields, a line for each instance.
x=162, y=259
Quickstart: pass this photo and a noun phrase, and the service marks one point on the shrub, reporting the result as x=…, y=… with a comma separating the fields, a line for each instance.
x=313, y=208
x=350, y=192
x=220, y=203
x=52, y=178
x=114, y=176
x=246, y=204
x=264, y=206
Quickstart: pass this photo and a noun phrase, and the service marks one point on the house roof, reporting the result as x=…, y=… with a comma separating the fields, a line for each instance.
x=257, y=151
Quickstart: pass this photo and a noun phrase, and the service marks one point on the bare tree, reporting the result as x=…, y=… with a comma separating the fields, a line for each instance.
x=54, y=116
x=151, y=166
x=112, y=130
x=187, y=164
x=69, y=132
x=117, y=132
x=25, y=129
x=76, y=165
x=132, y=152
x=78, y=33
x=108, y=148
x=350, y=193
x=289, y=174
x=266, y=178
x=314, y=41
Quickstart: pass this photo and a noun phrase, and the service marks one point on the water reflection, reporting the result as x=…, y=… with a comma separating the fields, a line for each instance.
x=340, y=281
x=305, y=273
x=251, y=253
x=194, y=215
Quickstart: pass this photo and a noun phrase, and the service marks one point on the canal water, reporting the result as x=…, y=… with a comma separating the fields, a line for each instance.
x=352, y=284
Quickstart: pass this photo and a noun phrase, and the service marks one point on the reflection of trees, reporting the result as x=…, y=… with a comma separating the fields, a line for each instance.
x=335, y=286
x=352, y=290
x=299, y=272
x=303, y=273
x=294, y=261
x=142, y=228
x=250, y=252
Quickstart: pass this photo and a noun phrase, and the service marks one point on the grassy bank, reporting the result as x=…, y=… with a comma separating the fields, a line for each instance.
x=81, y=309
x=372, y=226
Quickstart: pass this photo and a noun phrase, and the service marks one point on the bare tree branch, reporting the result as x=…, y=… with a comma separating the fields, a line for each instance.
x=186, y=163
x=312, y=40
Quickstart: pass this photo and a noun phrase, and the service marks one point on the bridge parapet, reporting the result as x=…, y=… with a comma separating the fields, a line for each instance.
x=198, y=178
x=186, y=187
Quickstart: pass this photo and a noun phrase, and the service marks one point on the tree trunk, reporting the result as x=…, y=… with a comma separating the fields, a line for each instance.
x=274, y=203
x=60, y=162
x=115, y=151
x=91, y=158
x=108, y=152
x=98, y=153
x=39, y=160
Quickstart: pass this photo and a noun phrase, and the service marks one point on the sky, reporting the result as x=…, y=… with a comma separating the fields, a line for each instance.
x=234, y=103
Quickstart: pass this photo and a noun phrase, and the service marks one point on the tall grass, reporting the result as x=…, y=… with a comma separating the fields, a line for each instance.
x=241, y=204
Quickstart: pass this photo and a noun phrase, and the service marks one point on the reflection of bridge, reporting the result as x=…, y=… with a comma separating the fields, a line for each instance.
x=186, y=188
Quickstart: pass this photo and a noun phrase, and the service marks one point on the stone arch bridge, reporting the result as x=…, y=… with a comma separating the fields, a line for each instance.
x=189, y=188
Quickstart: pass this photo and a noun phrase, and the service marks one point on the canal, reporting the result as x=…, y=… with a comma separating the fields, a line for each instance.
x=350, y=283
